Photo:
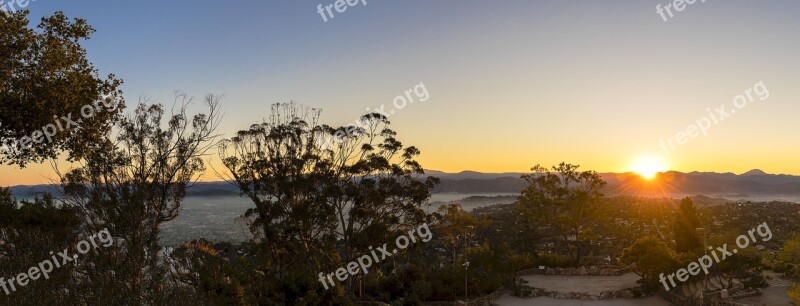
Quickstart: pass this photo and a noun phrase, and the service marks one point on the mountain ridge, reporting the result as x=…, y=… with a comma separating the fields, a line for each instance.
x=669, y=183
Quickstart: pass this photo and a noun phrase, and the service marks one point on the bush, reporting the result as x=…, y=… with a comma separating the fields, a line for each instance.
x=552, y=260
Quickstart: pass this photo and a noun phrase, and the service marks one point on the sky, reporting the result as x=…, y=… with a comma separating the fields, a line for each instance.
x=603, y=84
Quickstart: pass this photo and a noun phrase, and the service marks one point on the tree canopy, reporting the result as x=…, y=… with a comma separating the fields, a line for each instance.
x=318, y=205
x=45, y=76
x=565, y=199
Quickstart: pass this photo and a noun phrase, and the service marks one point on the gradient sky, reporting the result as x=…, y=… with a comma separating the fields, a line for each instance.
x=511, y=83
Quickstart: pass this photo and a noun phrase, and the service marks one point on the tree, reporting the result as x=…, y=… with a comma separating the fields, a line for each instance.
x=130, y=185
x=566, y=200
x=651, y=257
x=44, y=77
x=745, y=265
x=452, y=224
x=318, y=205
x=794, y=293
x=685, y=227
x=28, y=234
x=203, y=277
x=791, y=251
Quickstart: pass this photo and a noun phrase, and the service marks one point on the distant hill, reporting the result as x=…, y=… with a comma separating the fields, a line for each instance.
x=29, y=191
x=754, y=172
x=753, y=182
x=670, y=184
x=466, y=175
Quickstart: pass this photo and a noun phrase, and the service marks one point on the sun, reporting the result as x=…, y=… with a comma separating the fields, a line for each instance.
x=648, y=166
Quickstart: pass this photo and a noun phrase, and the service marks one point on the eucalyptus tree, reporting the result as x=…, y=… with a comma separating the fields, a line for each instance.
x=565, y=199
x=131, y=184
x=324, y=195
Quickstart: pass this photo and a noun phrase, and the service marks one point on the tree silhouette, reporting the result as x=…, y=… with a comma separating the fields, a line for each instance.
x=133, y=183
x=651, y=257
x=319, y=205
x=685, y=227
x=566, y=200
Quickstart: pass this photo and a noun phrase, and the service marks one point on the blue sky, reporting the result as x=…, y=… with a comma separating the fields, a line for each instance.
x=512, y=83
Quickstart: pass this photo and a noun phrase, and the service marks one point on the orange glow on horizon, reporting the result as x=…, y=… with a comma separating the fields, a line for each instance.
x=648, y=166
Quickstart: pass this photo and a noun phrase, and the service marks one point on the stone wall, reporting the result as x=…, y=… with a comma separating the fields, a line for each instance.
x=728, y=303
x=486, y=300
x=527, y=292
x=678, y=300
x=716, y=299
x=712, y=298
x=482, y=301
x=591, y=271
